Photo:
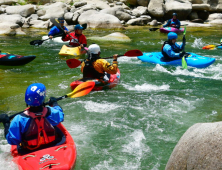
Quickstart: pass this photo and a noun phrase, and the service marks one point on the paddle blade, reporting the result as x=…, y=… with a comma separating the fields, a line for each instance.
x=133, y=53
x=73, y=63
x=82, y=89
x=153, y=29
x=184, y=63
x=36, y=42
x=84, y=26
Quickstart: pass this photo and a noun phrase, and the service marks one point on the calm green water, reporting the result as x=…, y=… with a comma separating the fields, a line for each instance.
x=137, y=124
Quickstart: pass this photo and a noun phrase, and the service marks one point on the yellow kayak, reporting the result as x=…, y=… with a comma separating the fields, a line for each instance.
x=74, y=51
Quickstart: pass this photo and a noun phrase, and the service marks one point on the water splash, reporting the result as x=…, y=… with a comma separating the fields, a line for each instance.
x=198, y=43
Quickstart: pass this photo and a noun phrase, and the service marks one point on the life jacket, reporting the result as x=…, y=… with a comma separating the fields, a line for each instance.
x=165, y=55
x=40, y=131
x=90, y=72
x=173, y=23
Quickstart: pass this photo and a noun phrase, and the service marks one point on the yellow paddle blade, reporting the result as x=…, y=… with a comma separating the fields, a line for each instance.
x=209, y=47
x=82, y=89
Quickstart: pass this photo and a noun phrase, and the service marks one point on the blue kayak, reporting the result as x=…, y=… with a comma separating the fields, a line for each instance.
x=220, y=47
x=193, y=60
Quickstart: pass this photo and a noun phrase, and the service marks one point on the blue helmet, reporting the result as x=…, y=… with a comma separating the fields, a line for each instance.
x=172, y=35
x=78, y=27
x=175, y=14
x=35, y=94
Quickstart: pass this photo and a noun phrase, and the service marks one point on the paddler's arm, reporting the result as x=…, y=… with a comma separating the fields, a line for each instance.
x=111, y=69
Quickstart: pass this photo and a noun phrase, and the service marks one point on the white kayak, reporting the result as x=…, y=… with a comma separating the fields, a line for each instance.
x=55, y=41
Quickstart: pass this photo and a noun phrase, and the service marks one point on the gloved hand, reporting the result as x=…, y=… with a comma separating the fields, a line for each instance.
x=115, y=57
x=52, y=101
x=182, y=54
x=4, y=118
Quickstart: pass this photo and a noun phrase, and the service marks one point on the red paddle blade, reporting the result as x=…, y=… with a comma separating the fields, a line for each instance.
x=73, y=63
x=82, y=89
x=133, y=53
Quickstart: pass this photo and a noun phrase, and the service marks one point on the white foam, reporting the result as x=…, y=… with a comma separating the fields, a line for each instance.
x=198, y=43
x=147, y=87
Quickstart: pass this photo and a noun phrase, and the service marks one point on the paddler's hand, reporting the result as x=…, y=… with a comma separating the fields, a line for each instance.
x=182, y=54
x=50, y=36
x=52, y=101
x=115, y=57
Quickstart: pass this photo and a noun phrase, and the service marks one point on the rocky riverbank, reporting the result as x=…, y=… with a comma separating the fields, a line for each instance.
x=110, y=14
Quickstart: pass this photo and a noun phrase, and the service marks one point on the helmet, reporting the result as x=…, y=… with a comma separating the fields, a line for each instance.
x=35, y=94
x=172, y=35
x=94, y=49
x=78, y=27
x=61, y=18
x=175, y=14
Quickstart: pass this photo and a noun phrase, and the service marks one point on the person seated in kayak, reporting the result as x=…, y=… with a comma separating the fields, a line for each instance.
x=56, y=31
x=174, y=22
x=76, y=38
x=35, y=127
x=95, y=67
x=171, y=50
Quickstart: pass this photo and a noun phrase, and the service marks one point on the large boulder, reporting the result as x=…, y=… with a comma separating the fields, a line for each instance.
x=143, y=2
x=8, y=2
x=203, y=15
x=182, y=7
x=55, y=10
x=7, y=28
x=12, y=19
x=25, y=10
x=199, y=148
x=139, y=21
x=200, y=7
x=156, y=8
x=39, y=24
x=116, y=36
x=95, y=19
x=215, y=16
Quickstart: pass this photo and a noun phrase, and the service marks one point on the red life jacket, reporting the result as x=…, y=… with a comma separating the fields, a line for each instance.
x=40, y=131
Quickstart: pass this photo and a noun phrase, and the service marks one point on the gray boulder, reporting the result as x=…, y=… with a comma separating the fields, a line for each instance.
x=215, y=16
x=156, y=8
x=199, y=148
x=12, y=19
x=96, y=19
x=79, y=4
x=138, y=21
x=8, y=2
x=117, y=12
x=25, y=10
x=41, y=12
x=200, y=7
x=203, y=15
x=143, y=2
x=7, y=28
x=39, y=24
x=182, y=7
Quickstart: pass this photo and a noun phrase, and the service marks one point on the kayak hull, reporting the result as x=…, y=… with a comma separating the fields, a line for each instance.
x=73, y=51
x=61, y=157
x=54, y=41
x=193, y=60
x=15, y=60
x=112, y=81
x=171, y=29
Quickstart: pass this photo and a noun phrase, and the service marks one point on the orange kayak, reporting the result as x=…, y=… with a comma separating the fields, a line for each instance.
x=61, y=157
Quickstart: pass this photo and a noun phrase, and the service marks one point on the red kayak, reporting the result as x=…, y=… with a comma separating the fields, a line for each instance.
x=61, y=157
x=111, y=80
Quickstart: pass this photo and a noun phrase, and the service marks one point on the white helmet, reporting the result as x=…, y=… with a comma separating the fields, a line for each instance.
x=94, y=49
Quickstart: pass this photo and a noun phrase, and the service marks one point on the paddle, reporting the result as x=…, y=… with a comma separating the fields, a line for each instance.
x=154, y=29
x=73, y=63
x=39, y=42
x=210, y=47
x=184, y=63
x=81, y=90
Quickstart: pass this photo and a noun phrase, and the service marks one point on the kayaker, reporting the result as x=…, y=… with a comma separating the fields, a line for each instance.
x=174, y=22
x=76, y=38
x=94, y=67
x=171, y=50
x=25, y=130
x=56, y=31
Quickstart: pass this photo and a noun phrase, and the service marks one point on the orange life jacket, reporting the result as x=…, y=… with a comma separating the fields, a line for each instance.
x=40, y=131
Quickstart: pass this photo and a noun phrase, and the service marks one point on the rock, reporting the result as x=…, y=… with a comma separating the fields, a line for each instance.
x=216, y=22
x=123, y=16
x=79, y=4
x=197, y=21
x=96, y=19
x=215, y=16
x=203, y=15
x=8, y=2
x=41, y=12
x=75, y=18
x=191, y=24
x=116, y=36
x=219, y=8
x=34, y=17
x=43, y=2
x=131, y=2
x=154, y=23
x=199, y=148
x=119, y=3
x=98, y=4
x=156, y=8
x=142, y=10
x=55, y=10
x=183, y=8
x=2, y=10
x=200, y=7
x=39, y=24
x=138, y=21
x=117, y=12
x=136, y=12
x=7, y=28
x=68, y=17
x=12, y=19
x=25, y=10
x=143, y=2
x=193, y=15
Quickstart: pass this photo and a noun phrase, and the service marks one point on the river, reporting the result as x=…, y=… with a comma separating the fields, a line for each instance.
x=135, y=125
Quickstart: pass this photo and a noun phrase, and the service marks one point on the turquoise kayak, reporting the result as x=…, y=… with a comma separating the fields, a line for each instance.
x=193, y=60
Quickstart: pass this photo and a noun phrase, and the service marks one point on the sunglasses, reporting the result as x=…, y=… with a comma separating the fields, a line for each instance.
x=61, y=21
